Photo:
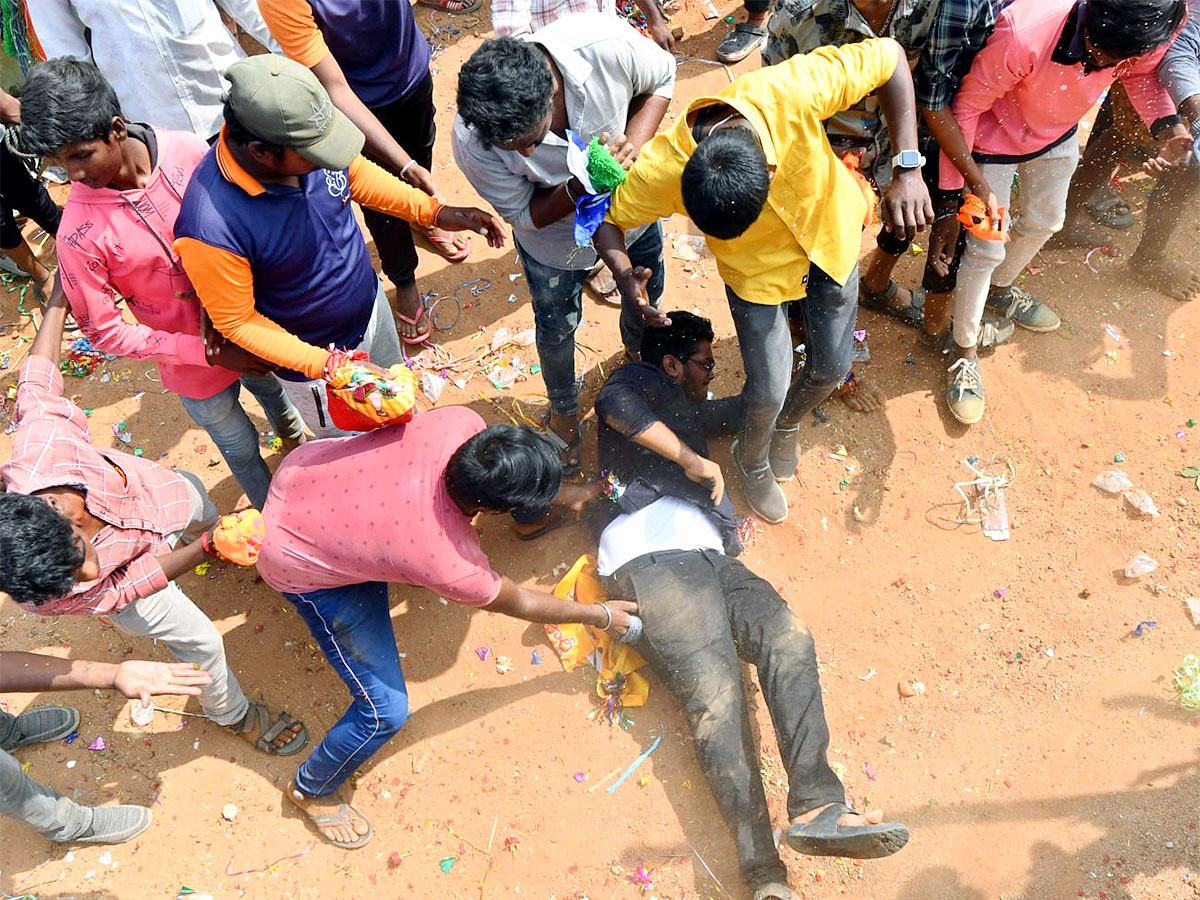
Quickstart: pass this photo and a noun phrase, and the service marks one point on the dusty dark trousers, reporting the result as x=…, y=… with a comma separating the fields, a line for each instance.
x=703, y=611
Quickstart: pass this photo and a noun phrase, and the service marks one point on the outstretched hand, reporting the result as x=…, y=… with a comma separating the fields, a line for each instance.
x=138, y=679
x=1174, y=153
x=632, y=285
x=469, y=218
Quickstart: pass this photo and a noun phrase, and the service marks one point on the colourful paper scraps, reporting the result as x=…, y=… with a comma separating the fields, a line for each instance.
x=98, y=744
x=447, y=864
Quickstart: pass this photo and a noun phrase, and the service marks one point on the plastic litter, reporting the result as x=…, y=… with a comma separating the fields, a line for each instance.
x=97, y=745
x=432, y=385
x=1143, y=628
x=482, y=652
x=141, y=716
x=1139, y=565
x=1187, y=682
x=1113, y=481
x=1193, y=605
x=1142, y=502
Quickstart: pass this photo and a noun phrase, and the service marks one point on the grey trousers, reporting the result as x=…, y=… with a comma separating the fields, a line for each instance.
x=43, y=809
x=171, y=618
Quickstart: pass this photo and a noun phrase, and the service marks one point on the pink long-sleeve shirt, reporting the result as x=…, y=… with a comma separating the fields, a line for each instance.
x=115, y=244
x=1016, y=100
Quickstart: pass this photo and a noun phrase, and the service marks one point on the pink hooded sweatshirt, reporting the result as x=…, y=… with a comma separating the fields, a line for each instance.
x=117, y=244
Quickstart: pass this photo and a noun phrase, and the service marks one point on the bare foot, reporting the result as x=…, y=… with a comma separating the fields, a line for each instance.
x=874, y=817
x=347, y=829
x=1175, y=279
x=866, y=396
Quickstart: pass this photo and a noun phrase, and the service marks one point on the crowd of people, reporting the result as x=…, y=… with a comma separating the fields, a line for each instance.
x=208, y=228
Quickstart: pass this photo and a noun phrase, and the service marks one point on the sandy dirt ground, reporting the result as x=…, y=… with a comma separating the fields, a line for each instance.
x=1047, y=758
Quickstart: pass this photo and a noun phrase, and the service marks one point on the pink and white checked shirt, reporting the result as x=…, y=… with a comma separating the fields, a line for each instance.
x=525, y=16
x=140, y=501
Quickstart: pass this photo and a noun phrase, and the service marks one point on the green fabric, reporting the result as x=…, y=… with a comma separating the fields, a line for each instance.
x=606, y=173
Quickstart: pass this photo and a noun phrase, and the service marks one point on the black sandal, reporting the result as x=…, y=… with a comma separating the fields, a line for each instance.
x=823, y=836
x=741, y=42
x=877, y=301
x=259, y=716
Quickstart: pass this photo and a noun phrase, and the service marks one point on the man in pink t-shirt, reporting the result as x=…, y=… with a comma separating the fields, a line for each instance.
x=115, y=243
x=1045, y=65
x=346, y=516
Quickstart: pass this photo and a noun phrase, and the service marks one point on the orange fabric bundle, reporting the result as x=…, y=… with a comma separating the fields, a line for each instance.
x=361, y=401
x=852, y=159
x=239, y=537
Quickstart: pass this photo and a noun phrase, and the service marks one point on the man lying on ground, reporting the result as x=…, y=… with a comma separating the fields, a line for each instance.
x=347, y=516
x=668, y=543
x=42, y=808
x=92, y=532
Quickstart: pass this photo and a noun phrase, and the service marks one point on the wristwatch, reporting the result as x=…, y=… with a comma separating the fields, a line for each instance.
x=908, y=159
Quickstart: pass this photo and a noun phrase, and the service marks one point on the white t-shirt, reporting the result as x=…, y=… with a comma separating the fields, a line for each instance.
x=666, y=524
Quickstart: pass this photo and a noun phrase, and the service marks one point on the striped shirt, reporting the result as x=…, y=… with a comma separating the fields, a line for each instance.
x=140, y=502
x=526, y=16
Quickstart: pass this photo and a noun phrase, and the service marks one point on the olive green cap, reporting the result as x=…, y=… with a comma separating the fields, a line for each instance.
x=281, y=102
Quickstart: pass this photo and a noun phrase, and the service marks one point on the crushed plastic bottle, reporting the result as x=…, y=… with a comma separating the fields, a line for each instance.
x=1141, y=564
x=1114, y=481
x=1142, y=502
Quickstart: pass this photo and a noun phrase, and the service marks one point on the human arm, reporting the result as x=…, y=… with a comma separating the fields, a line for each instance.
x=93, y=300
x=22, y=672
x=956, y=34
x=293, y=25
x=1179, y=70
x=905, y=206
x=377, y=189
x=1002, y=64
x=538, y=606
x=623, y=405
x=657, y=25
x=609, y=241
x=220, y=351
x=224, y=283
x=58, y=29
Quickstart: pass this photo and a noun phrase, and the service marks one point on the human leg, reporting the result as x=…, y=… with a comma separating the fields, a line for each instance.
x=829, y=311
x=353, y=628
x=1173, y=196
x=43, y=809
x=171, y=618
x=767, y=634
x=557, y=311
x=226, y=422
x=764, y=340
x=747, y=36
x=688, y=643
x=285, y=419
x=646, y=252
x=1045, y=182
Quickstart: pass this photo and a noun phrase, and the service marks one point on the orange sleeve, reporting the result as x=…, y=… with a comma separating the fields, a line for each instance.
x=291, y=23
x=225, y=286
x=380, y=190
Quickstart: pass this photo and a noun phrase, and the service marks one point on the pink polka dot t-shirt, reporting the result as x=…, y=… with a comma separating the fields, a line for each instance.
x=374, y=507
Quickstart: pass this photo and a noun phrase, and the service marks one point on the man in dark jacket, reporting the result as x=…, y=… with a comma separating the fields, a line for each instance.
x=667, y=540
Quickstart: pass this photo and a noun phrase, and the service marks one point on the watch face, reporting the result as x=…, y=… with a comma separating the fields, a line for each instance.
x=908, y=159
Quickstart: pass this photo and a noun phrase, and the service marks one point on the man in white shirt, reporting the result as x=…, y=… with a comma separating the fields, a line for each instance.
x=668, y=541
x=517, y=97
x=164, y=58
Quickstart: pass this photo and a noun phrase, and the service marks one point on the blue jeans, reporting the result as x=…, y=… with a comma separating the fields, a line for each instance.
x=558, y=309
x=772, y=397
x=222, y=416
x=353, y=627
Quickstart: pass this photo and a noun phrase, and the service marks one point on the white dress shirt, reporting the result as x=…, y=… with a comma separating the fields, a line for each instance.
x=164, y=58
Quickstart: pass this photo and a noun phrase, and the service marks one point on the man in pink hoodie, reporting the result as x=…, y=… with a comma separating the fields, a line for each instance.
x=115, y=243
x=1045, y=65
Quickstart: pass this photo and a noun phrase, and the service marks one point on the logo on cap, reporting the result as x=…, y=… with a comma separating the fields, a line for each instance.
x=320, y=115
